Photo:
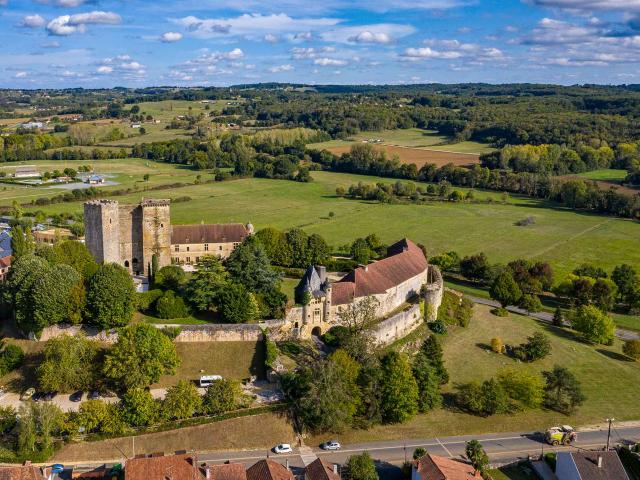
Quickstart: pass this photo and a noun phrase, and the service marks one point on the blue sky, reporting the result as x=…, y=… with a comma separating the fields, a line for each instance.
x=106, y=43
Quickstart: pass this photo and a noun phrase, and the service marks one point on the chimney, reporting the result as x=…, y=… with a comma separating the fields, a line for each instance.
x=322, y=272
x=599, y=461
x=287, y=464
x=335, y=468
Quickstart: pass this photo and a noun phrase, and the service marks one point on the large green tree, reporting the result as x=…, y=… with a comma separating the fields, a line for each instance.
x=140, y=356
x=431, y=349
x=399, y=389
x=69, y=363
x=275, y=244
x=594, y=325
x=24, y=273
x=236, y=304
x=428, y=382
x=505, y=290
x=360, y=467
x=249, y=265
x=182, y=401
x=52, y=295
x=139, y=408
x=76, y=255
x=221, y=396
x=111, y=296
x=562, y=391
x=206, y=283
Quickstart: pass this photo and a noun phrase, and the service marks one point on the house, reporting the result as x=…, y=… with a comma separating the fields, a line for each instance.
x=135, y=125
x=21, y=472
x=189, y=243
x=94, y=180
x=433, y=467
x=226, y=471
x=51, y=236
x=320, y=469
x=584, y=465
x=158, y=466
x=27, y=171
x=5, y=266
x=5, y=244
x=32, y=125
x=269, y=470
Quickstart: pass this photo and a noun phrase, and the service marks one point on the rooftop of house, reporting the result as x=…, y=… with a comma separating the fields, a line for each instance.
x=157, y=466
x=433, y=467
x=404, y=261
x=5, y=244
x=320, y=469
x=313, y=281
x=586, y=463
x=268, y=470
x=212, y=233
x=21, y=472
x=227, y=471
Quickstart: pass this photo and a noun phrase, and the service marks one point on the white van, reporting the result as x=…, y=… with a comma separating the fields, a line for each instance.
x=207, y=380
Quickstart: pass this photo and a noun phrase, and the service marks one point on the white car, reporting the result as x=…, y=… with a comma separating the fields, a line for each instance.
x=331, y=445
x=283, y=448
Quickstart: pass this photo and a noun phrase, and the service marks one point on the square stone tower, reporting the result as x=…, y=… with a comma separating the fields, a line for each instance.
x=129, y=235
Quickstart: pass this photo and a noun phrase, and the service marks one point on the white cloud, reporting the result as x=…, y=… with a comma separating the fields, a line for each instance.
x=427, y=52
x=300, y=53
x=554, y=32
x=271, y=38
x=302, y=37
x=21, y=75
x=281, y=68
x=104, y=70
x=64, y=3
x=329, y=62
x=170, y=37
x=32, y=21
x=254, y=24
x=591, y=5
x=65, y=25
x=122, y=65
x=452, y=50
x=375, y=33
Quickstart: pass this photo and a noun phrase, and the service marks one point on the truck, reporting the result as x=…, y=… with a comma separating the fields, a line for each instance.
x=564, y=435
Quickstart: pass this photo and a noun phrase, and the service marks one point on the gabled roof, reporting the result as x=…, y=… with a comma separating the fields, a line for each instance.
x=312, y=283
x=21, y=472
x=587, y=465
x=213, y=233
x=405, y=261
x=5, y=244
x=160, y=467
x=268, y=470
x=321, y=470
x=227, y=471
x=433, y=467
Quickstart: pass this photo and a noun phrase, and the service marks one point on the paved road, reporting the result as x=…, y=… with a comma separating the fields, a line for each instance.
x=548, y=317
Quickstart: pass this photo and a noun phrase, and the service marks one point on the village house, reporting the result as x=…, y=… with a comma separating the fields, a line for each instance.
x=27, y=171
x=433, y=467
x=584, y=465
x=51, y=236
x=21, y=472
x=320, y=469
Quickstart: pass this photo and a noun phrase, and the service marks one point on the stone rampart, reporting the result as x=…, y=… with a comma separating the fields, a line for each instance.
x=398, y=326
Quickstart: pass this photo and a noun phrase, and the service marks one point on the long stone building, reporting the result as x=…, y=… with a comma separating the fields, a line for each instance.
x=130, y=235
x=404, y=274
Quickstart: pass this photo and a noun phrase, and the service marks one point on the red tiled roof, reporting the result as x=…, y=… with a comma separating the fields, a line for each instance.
x=321, y=470
x=5, y=262
x=406, y=260
x=214, y=233
x=227, y=471
x=21, y=472
x=268, y=470
x=432, y=467
x=160, y=467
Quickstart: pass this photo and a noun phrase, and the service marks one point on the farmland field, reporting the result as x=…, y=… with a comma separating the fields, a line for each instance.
x=563, y=237
x=607, y=178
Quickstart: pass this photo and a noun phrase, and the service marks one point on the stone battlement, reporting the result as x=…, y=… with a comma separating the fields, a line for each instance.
x=155, y=202
x=101, y=201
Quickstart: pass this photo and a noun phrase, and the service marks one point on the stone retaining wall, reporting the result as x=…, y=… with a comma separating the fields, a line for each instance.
x=398, y=326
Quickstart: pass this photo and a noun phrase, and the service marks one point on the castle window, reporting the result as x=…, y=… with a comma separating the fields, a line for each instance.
x=188, y=259
x=206, y=247
x=220, y=247
x=177, y=248
x=161, y=225
x=187, y=248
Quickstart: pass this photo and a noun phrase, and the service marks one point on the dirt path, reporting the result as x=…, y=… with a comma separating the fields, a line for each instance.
x=571, y=238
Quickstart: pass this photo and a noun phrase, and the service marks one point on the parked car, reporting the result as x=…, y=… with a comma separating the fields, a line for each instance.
x=48, y=396
x=283, y=448
x=93, y=395
x=57, y=468
x=77, y=396
x=331, y=445
x=27, y=394
x=37, y=396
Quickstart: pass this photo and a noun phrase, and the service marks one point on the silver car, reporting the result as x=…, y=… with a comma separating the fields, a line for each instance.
x=331, y=445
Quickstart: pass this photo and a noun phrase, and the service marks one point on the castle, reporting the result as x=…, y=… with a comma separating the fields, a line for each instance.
x=404, y=274
x=131, y=235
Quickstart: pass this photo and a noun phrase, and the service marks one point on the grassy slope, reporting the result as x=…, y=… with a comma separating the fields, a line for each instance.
x=467, y=359
x=607, y=174
x=562, y=237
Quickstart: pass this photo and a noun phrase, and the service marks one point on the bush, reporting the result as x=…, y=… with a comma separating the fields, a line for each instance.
x=221, y=396
x=170, y=277
x=530, y=303
x=631, y=348
x=438, y=326
x=455, y=310
x=335, y=336
x=496, y=345
x=171, y=332
x=537, y=347
x=11, y=358
x=145, y=301
x=500, y=312
x=170, y=305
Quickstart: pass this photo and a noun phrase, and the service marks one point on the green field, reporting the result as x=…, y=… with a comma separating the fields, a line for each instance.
x=605, y=175
x=467, y=358
x=410, y=137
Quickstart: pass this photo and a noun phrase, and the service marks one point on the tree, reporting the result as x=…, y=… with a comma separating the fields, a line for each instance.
x=139, y=408
x=562, y=390
x=21, y=242
x=505, y=289
x=399, y=389
x=76, y=255
x=182, y=401
x=38, y=424
x=496, y=345
x=360, y=467
x=522, y=386
x=237, y=304
x=419, y=453
x=594, y=325
x=170, y=277
x=317, y=249
x=495, y=398
x=358, y=318
x=604, y=293
x=558, y=317
x=221, y=396
x=51, y=297
x=477, y=456
x=530, y=303
x=91, y=415
x=428, y=382
x=627, y=280
x=360, y=251
x=432, y=350
x=275, y=244
x=170, y=305
x=475, y=267
x=298, y=242
x=110, y=296
x=249, y=265
x=537, y=347
x=140, y=356
x=69, y=363
x=24, y=273
x=631, y=348
x=206, y=283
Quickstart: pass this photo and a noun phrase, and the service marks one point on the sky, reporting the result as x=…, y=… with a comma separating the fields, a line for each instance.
x=136, y=43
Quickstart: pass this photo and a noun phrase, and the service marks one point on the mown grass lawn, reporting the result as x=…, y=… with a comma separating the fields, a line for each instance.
x=564, y=238
x=609, y=380
x=605, y=174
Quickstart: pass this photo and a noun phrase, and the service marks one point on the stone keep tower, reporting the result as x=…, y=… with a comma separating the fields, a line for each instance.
x=129, y=235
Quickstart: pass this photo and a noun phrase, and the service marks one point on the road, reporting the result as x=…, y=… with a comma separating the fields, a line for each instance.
x=548, y=317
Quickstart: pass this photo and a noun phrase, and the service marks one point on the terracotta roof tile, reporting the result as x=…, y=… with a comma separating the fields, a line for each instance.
x=213, y=233
x=227, y=471
x=405, y=260
x=321, y=470
x=432, y=467
x=21, y=472
x=268, y=470
x=170, y=467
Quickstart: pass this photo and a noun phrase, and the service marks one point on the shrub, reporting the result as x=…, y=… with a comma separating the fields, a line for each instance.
x=500, y=312
x=537, y=347
x=438, y=326
x=530, y=303
x=496, y=345
x=171, y=332
x=335, y=336
x=523, y=387
x=455, y=310
x=145, y=301
x=170, y=305
x=221, y=396
x=631, y=348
